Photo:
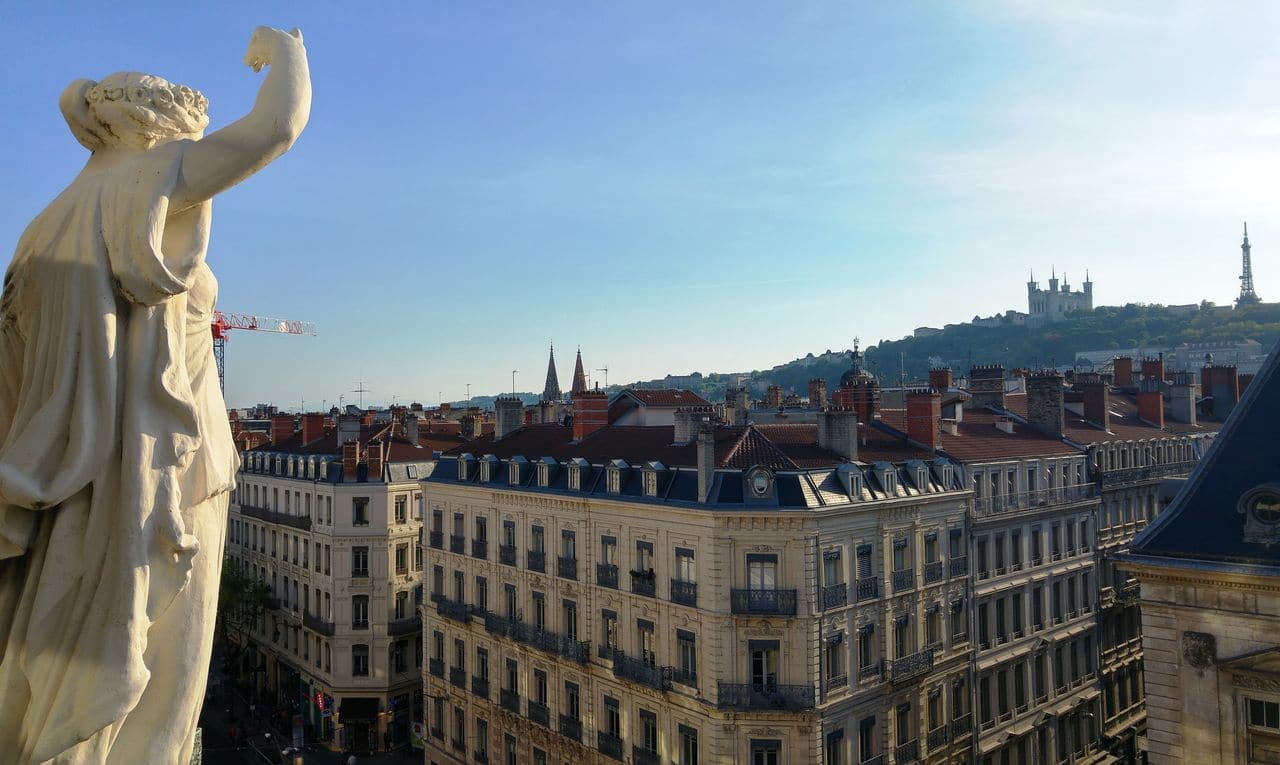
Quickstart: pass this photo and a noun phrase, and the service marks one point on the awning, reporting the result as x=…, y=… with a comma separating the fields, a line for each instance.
x=358, y=708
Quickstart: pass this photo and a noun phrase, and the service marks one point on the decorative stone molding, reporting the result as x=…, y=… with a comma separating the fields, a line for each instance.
x=1199, y=649
x=1255, y=682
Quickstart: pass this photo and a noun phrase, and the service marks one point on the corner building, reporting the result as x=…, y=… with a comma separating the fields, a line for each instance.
x=696, y=593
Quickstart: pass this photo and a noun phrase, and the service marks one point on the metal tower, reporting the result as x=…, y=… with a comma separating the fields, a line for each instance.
x=1247, y=295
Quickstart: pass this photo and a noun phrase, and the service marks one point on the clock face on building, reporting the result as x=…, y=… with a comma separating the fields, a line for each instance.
x=1264, y=506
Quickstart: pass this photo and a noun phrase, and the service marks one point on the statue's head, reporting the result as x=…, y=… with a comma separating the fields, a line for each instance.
x=133, y=110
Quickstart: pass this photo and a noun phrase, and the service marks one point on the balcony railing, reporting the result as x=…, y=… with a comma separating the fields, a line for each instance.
x=609, y=745
x=1026, y=500
x=571, y=727
x=480, y=686
x=837, y=681
x=746, y=696
x=684, y=593
x=457, y=544
x=904, y=579
x=543, y=640
x=961, y=725
x=639, y=671
x=767, y=602
x=452, y=609
x=867, y=588
x=316, y=624
x=458, y=677
x=535, y=560
x=397, y=627
x=607, y=576
x=436, y=667
x=271, y=516
x=507, y=555
x=567, y=568
x=938, y=737
x=643, y=756
x=907, y=752
x=436, y=540
x=458, y=744
x=933, y=572
x=684, y=677
x=480, y=549
x=510, y=700
x=644, y=583
x=909, y=666
x=835, y=595
x=539, y=713
x=960, y=565
x=1133, y=475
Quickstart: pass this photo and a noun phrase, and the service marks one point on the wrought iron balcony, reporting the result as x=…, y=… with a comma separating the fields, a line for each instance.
x=767, y=602
x=933, y=572
x=639, y=671
x=452, y=609
x=507, y=555
x=960, y=565
x=457, y=544
x=436, y=540
x=609, y=745
x=458, y=677
x=480, y=549
x=837, y=681
x=539, y=713
x=567, y=568
x=318, y=625
x=961, y=725
x=909, y=666
x=835, y=595
x=938, y=737
x=908, y=752
x=510, y=700
x=1134, y=475
x=436, y=667
x=684, y=593
x=301, y=522
x=543, y=640
x=867, y=588
x=535, y=560
x=684, y=678
x=405, y=626
x=644, y=583
x=607, y=576
x=643, y=756
x=745, y=696
x=571, y=727
x=480, y=686
x=1025, y=500
x=904, y=579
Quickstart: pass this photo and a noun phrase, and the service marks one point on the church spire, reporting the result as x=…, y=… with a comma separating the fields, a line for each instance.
x=551, y=392
x=579, y=376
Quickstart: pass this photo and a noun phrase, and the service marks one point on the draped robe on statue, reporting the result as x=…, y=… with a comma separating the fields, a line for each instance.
x=116, y=461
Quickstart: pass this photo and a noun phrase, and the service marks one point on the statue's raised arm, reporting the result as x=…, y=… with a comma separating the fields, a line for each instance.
x=224, y=158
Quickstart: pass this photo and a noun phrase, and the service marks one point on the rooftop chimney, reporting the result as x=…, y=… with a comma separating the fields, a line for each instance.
x=471, y=425
x=1183, y=393
x=838, y=431
x=411, y=429
x=1044, y=402
x=706, y=460
x=986, y=385
x=924, y=418
x=1222, y=381
x=940, y=379
x=348, y=428
x=509, y=413
x=312, y=427
x=1097, y=402
x=687, y=422
x=1151, y=403
x=818, y=393
x=590, y=413
x=773, y=398
x=1153, y=369
x=350, y=460
x=375, y=456
x=736, y=404
x=1122, y=368
x=281, y=428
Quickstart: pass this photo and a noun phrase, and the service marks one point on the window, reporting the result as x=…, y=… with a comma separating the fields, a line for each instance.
x=766, y=751
x=417, y=553
x=864, y=561
x=834, y=660
x=901, y=555
x=612, y=717
x=317, y=557
x=866, y=738
x=569, y=619
x=360, y=612
x=931, y=635
x=648, y=730
x=1037, y=551
x=573, y=703
x=359, y=511
x=509, y=600
x=402, y=559
x=1037, y=607
x=402, y=509
x=609, y=631
x=513, y=676
x=1015, y=549
x=687, y=647
x=982, y=563
x=509, y=533
x=359, y=561
x=482, y=739
x=866, y=647
x=762, y=572
x=648, y=651
x=538, y=539
x=644, y=557
x=764, y=664
x=568, y=545
x=509, y=747
x=482, y=594
x=688, y=754
x=360, y=660
x=959, y=628
x=402, y=604
x=1264, y=714
x=437, y=582
x=540, y=686
x=482, y=529
x=930, y=548
x=684, y=565
x=608, y=551
x=540, y=611
x=482, y=663
x=400, y=656
x=327, y=551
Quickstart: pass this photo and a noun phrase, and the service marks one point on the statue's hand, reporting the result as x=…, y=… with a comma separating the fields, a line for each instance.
x=267, y=45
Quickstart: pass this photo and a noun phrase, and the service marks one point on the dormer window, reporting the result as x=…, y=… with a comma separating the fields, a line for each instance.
x=515, y=470
x=614, y=475
x=544, y=474
x=851, y=479
x=577, y=471
x=650, y=483
x=888, y=477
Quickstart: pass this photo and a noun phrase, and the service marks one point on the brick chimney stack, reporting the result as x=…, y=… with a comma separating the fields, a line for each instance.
x=1153, y=369
x=1044, y=402
x=509, y=413
x=281, y=428
x=838, y=431
x=818, y=393
x=773, y=398
x=924, y=418
x=375, y=455
x=986, y=385
x=1122, y=369
x=590, y=413
x=1222, y=381
x=1151, y=403
x=350, y=460
x=472, y=424
x=312, y=427
x=1097, y=401
x=940, y=379
x=706, y=459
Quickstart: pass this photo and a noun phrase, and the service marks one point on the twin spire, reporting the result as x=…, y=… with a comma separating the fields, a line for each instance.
x=551, y=391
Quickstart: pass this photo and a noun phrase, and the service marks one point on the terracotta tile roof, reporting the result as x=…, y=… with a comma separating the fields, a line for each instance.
x=400, y=448
x=979, y=439
x=665, y=397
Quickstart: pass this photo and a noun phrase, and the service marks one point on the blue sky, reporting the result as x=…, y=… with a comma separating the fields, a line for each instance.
x=719, y=186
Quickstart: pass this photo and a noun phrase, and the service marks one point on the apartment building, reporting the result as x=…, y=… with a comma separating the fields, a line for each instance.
x=695, y=593
x=328, y=516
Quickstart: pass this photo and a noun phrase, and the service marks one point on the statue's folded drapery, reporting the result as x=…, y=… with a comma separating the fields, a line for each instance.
x=115, y=459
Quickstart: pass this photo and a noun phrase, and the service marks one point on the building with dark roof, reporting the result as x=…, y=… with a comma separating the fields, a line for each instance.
x=1209, y=575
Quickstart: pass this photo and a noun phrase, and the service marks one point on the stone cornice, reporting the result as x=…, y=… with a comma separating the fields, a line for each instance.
x=1176, y=575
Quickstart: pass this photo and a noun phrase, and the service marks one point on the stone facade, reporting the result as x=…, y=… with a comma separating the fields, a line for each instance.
x=1055, y=303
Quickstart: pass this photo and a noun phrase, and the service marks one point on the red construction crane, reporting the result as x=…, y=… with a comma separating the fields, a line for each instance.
x=225, y=321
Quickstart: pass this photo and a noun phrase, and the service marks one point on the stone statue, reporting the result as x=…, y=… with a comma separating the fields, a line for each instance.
x=116, y=459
